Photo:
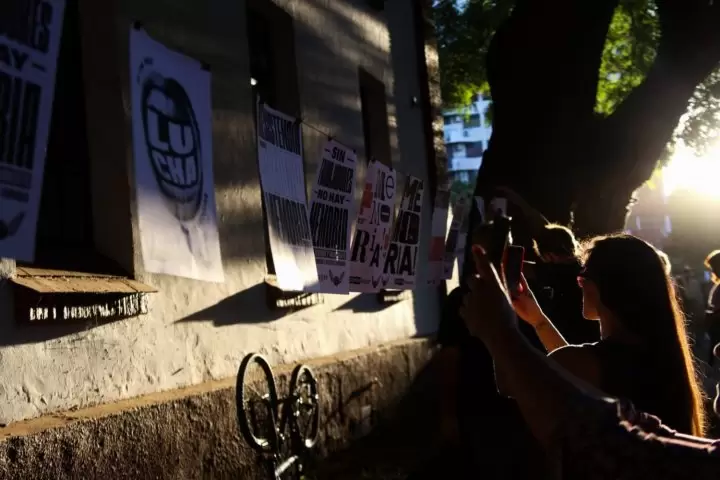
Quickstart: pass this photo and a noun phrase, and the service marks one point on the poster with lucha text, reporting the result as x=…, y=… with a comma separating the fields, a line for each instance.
x=401, y=261
x=283, y=185
x=331, y=210
x=372, y=230
x=30, y=34
x=172, y=146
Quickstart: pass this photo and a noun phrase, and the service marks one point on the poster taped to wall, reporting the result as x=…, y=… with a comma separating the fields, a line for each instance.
x=172, y=145
x=401, y=262
x=456, y=241
x=372, y=231
x=438, y=235
x=27, y=84
x=283, y=185
x=331, y=210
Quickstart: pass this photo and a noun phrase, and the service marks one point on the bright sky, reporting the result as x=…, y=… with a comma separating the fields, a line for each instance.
x=686, y=171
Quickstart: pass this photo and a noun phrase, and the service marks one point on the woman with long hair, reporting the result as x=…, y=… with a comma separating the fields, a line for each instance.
x=643, y=354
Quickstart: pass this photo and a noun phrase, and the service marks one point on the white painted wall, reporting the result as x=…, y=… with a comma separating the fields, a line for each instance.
x=200, y=331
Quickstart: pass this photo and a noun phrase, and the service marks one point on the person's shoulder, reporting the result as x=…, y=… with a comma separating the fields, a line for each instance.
x=580, y=360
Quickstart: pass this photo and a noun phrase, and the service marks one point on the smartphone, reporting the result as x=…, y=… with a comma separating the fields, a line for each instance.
x=513, y=267
x=499, y=235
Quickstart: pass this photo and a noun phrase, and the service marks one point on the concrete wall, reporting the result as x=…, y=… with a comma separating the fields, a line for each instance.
x=192, y=433
x=198, y=331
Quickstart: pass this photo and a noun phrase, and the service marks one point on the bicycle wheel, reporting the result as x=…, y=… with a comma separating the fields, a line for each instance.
x=305, y=405
x=257, y=403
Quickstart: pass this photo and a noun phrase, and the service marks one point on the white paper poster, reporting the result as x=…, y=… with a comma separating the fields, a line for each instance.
x=401, y=261
x=331, y=210
x=172, y=144
x=283, y=185
x=455, y=244
x=30, y=34
x=438, y=237
x=372, y=231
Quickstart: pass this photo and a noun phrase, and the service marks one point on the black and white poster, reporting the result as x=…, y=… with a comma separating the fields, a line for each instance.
x=456, y=239
x=438, y=235
x=401, y=261
x=372, y=231
x=30, y=33
x=283, y=185
x=331, y=212
x=172, y=145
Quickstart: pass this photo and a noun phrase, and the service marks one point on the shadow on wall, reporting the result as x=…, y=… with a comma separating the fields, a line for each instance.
x=366, y=303
x=399, y=436
x=246, y=307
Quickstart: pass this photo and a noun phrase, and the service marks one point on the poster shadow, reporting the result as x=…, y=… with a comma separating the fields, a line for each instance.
x=250, y=306
x=366, y=303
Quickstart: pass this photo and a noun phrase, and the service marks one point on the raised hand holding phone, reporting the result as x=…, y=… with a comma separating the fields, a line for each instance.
x=526, y=305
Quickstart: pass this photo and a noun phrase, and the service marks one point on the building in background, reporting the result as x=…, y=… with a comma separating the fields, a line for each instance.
x=466, y=137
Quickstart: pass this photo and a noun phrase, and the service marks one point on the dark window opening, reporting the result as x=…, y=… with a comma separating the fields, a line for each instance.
x=273, y=71
x=473, y=121
x=64, y=239
x=474, y=149
x=376, y=130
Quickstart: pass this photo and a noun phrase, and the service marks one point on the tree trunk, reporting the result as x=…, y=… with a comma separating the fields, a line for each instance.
x=549, y=145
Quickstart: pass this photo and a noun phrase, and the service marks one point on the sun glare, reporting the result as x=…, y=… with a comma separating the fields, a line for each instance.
x=689, y=172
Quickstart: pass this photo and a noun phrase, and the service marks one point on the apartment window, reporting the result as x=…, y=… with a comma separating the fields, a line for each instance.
x=463, y=176
x=273, y=72
x=458, y=148
x=474, y=149
x=375, y=118
x=472, y=121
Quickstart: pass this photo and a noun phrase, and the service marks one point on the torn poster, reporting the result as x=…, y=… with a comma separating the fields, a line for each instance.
x=30, y=34
x=331, y=210
x=438, y=235
x=172, y=146
x=283, y=184
x=456, y=239
x=401, y=262
x=372, y=231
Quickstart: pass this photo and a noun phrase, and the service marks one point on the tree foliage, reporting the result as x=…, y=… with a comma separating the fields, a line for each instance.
x=465, y=30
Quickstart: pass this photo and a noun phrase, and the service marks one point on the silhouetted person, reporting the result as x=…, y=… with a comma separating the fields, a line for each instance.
x=712, y=313
x=643, y=354
x=556, y=286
